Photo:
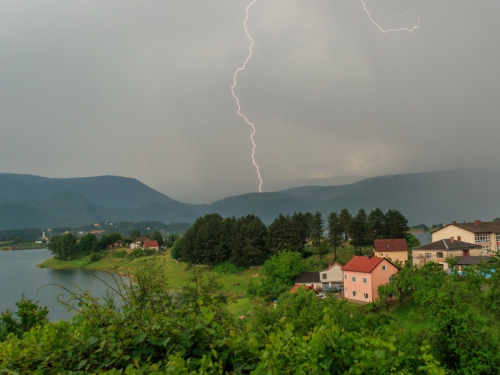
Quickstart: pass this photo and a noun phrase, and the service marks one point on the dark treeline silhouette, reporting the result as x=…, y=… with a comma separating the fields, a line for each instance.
x=247, y=241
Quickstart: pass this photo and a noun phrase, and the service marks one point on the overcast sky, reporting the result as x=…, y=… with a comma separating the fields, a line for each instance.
x=142, y=89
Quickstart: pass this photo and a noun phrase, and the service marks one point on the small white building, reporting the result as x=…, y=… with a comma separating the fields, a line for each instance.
x=331, y=277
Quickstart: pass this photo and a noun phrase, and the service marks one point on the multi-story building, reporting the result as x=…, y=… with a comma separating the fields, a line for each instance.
x=484, y=234
x=363, y=276
x=394, y=249
x=442, y=250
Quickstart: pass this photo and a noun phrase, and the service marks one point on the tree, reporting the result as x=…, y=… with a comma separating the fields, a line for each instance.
x=298, y=232
x=278, y=233
x=396, y=225
x=359, y=231
x=29, y=314
x=134, y=234
x=335, y=232
x=64, y=247
x=345, y=220
x=171, y=239
x=87, y=243
x=156, y=236
x=376, y=224
x=317, y=231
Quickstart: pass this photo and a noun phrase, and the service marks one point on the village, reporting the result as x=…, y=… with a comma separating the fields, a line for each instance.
x=454, y=247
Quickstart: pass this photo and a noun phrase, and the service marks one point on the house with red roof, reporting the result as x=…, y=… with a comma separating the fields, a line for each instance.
x=395, y=249
x=363, y=276
x=151, y=245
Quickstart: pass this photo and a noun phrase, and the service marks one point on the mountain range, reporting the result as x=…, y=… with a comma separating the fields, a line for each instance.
x=429, y=197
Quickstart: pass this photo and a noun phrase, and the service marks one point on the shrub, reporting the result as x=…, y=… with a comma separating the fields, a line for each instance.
x=120, y=254
x=94, y=257
x=228, y=267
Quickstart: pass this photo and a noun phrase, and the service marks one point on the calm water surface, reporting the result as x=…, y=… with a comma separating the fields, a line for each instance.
x=19, y=275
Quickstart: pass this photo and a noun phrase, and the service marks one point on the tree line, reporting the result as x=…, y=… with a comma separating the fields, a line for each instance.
x=68, y=246
x=247, y=241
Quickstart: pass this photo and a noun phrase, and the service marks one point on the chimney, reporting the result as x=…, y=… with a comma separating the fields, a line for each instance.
x=453, y=222
x=459, y=239
x=477, y=222
x=452, y=240
x=463, y=222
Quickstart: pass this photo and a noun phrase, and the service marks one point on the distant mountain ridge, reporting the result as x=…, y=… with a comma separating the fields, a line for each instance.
x=429, y=197
x=34, y=201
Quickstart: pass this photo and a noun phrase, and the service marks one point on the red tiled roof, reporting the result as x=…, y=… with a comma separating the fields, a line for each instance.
x=362, y=264
x=150, y=244
x=398, y=244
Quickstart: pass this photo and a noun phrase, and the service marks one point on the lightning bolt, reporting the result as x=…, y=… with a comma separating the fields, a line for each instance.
x=254, y=145
x=385, y=31
x=235, y=82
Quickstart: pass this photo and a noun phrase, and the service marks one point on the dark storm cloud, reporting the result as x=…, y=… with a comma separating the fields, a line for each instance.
x=141, y=89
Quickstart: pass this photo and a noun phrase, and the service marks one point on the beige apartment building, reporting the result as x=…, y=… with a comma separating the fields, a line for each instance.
x=441, y=250
x=485, y=234
x=393, y=249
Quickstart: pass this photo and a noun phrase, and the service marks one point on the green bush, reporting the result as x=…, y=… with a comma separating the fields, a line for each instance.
x=120, y=254
x=228, y=267
x=94, y=257
x=136, y=253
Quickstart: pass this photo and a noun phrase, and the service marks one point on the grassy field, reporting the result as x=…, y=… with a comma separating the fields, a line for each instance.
x=177, y=273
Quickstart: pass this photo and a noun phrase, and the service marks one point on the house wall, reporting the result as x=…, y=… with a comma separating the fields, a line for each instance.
x=453, y=231
x=334, y=274
x=402, y=256
x=419, y=258
x=381, y=277
x=358, y=286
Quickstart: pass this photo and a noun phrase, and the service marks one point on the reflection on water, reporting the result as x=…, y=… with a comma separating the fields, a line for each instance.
x=19, y=275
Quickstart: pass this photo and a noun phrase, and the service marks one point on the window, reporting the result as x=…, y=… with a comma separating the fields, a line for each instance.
x=482, y=237
x=498, y=237
x=486, y=250
x=323, y=275
x=364, y=280
x=353, y=279
x=439, y=254
x=428, y=255
x=345, y=289
x=345, y=277
x=354, y=294
x=384, y=268
x=390, y=278
x=365, y=295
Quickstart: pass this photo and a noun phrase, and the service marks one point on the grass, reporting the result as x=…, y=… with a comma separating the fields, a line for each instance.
x=178, y=274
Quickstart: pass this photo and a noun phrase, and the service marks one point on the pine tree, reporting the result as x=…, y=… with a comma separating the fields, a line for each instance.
x=376, y=225
x=345, y=220
x=317, y=231
x=396, y=224
x=335, y=232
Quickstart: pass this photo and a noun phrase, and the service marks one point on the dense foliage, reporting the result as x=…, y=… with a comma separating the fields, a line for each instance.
x=156, y=332
x=214, y=240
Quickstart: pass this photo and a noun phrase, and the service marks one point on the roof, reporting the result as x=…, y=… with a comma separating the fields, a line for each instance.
x=447, y=245
x=364, y=264
x=141, y=239
x=477, y=226
x=390, y=245
x=151, y=243
x=307, y=277
x=473, y=260
x=331, y=266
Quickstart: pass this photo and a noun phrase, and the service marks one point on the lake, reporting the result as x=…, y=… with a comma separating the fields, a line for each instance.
x=19, y=275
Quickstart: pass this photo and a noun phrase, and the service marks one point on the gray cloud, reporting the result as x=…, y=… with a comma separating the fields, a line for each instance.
x=141, y=89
